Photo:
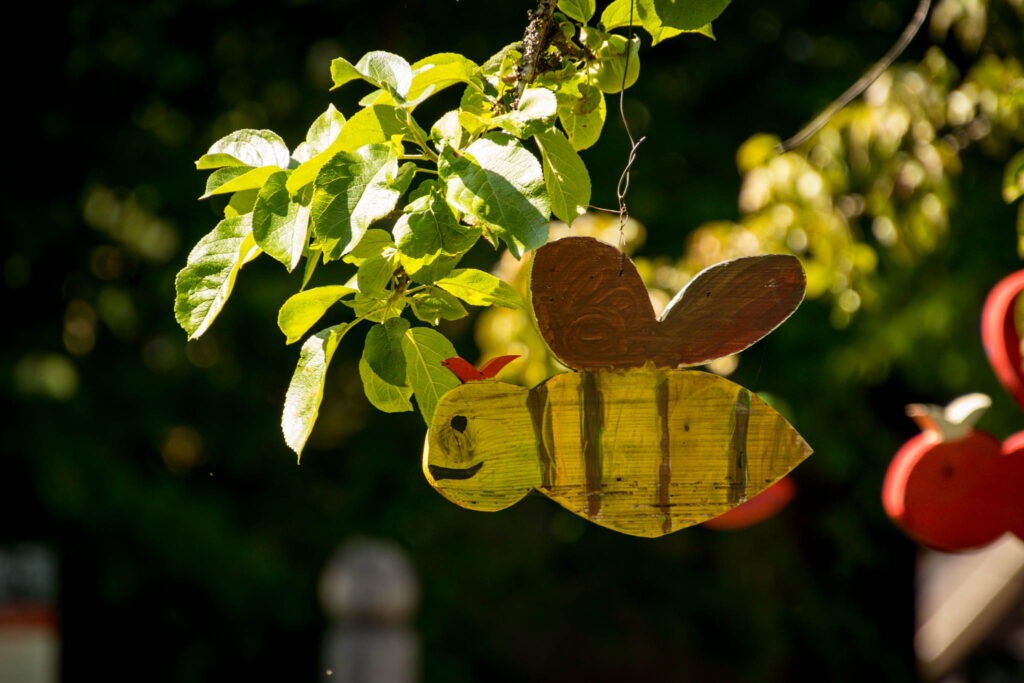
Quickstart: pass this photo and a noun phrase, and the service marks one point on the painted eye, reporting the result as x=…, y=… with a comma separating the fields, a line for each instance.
x=947, y=471
x=459, y=423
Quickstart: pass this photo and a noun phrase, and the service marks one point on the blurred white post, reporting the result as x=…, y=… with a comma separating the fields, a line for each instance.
x=369, y=592
x=29, y=634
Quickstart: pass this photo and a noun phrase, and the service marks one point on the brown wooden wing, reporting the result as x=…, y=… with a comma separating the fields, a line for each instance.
x=727, y=307
x=591, y=306
x=593, y=310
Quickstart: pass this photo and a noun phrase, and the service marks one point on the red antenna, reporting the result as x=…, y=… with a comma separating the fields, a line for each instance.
x=462, y=369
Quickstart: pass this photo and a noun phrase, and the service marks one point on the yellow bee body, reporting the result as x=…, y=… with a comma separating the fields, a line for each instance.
x=644, y=451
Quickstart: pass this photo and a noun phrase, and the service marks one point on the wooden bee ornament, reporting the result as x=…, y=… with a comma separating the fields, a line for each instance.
x=629, y=441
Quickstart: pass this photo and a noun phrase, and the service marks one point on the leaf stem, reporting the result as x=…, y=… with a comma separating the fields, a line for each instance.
x=431, y=155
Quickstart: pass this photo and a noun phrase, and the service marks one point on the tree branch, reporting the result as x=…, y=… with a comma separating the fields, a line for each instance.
x=535, y=40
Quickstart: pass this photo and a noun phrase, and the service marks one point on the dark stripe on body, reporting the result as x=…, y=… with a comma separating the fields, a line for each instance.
x=592, y=424
x=665, y=468
x=536, y=403
x=738, y=448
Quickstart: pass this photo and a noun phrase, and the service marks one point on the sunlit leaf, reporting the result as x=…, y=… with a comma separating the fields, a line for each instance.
x=427, y=229
x=434, y=304
x=373, y=243
x=580, y=10
x=246, y=147
x=385, y=397
x=478, y=288
x=205, y=283
x=536, y=108
x=279, y=224
x=306, y=389
x=440, y=71
x=381, y=69
x=226, y=180
x=353, y=191
x=374, y=274
x=383, y=351
x=301, y=311
x=565, y=175
x=367, y=126
x=424, y=350
x=583, y=117
x=321, y=135
x=500, y=186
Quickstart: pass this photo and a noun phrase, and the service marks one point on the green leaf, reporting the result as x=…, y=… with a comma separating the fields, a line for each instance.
x=1013, y=178
x=321, y=135
x=448, y=129
x=500, y=186
x=237, y=179
x=664, y=19
x=367, y=126
x=583, y=117
x=312, y=261
x=385, y=397
x=306, y=389
x=424, y=351
x=478, y=288
x=381, y=69
x=536, y=108
x=688, y=15
x=301, y=311
x=247, y=147
x=374, y=243
x=565, y=175
x=434, y=270
x=376, y=309
x=374, y=274
x=241, y=203
x=580, y=10
x=203, y=286
x=428, y=228
x=352, y=191
x=280, y=225
x=434, y=304
x=440, y=70
x=383, y=351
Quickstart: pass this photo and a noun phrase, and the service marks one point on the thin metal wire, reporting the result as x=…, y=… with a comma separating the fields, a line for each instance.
x=863, y=82
x=623, y=185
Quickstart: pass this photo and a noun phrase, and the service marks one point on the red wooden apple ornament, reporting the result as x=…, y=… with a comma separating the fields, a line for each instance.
x=1000, y=337
x=953, y=487
x=756, y=510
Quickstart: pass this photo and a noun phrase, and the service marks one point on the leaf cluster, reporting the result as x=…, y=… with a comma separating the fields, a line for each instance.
x=401, y=204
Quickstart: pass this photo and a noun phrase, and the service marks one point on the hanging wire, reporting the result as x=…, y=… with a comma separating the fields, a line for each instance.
x=863, y=82
x=623, y=185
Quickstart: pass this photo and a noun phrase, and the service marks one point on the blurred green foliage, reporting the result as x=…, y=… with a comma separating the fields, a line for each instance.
x=190, y=542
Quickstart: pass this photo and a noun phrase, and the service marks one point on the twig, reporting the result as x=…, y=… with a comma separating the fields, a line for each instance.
x=535, y=39
x=863, y=82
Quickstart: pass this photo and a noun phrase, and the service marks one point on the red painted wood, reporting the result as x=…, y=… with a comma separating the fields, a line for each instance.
x=1000, y=337
x=756, y=510
x=462, y=369
x=957, y=495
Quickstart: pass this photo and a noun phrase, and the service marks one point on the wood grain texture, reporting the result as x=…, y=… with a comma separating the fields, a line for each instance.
x=593, y=310
x=644, y=451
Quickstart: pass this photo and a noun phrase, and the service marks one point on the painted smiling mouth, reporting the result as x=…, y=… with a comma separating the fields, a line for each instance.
x=439, y=473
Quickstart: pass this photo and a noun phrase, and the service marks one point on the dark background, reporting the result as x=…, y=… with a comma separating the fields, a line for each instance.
x=189, y=542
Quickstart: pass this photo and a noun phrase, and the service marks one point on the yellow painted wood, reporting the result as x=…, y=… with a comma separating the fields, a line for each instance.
x=643, y=451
